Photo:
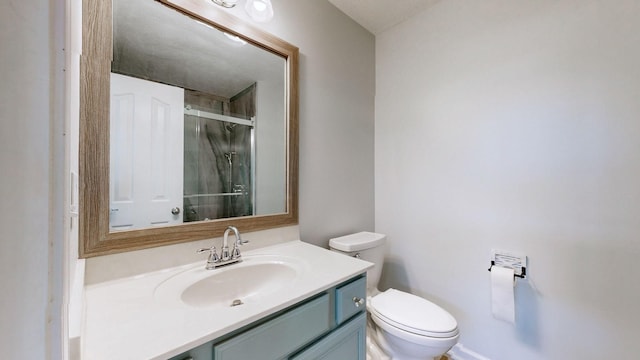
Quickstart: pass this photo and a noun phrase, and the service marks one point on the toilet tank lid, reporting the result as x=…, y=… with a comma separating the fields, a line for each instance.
x=358, y=241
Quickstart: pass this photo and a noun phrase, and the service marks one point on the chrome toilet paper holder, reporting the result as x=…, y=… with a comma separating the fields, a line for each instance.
x=510, y=260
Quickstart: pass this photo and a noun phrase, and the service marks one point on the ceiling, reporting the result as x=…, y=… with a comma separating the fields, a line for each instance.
x=379, y=15
x=154, y=42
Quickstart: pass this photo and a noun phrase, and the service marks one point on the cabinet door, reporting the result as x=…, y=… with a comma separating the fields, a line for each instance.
x=346, y=342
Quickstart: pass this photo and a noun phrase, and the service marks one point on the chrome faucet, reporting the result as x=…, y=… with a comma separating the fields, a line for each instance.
x=226, y=257
x=235, y=254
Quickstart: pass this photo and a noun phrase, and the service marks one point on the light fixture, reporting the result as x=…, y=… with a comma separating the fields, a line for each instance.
x=226, y=3
x=259, y=10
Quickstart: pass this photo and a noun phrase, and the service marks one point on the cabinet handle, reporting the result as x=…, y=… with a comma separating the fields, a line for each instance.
x=358, y=301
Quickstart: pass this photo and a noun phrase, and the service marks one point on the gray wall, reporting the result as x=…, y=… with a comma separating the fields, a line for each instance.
x=514, y=125
x=337, y=89
x=32, y=162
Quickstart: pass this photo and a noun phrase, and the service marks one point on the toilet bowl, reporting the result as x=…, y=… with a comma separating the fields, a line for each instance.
x=410, y=327
x=402, y=326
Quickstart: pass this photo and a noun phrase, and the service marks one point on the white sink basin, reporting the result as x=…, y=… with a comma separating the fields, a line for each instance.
x=250, y=281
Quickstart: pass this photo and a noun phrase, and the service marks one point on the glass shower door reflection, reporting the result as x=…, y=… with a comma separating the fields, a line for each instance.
x=218, y=167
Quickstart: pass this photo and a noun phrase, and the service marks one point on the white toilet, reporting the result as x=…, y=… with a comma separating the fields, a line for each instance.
x=405, y=326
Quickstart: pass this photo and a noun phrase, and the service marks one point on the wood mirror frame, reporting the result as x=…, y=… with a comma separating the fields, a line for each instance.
x=95, y=66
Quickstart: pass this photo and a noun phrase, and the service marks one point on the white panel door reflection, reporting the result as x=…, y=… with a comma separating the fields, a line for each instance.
x=146, y=153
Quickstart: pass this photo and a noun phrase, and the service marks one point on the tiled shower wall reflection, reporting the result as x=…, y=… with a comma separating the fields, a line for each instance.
x=217, y=158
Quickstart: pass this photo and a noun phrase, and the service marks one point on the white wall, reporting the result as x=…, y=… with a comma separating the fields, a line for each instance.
x=337, y=88
x=515, y=125
x=32, y=162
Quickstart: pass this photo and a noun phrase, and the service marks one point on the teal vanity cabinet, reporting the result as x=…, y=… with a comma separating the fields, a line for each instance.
x=330, y=325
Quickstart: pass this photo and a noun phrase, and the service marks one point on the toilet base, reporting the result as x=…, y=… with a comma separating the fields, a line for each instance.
x=374, y=352
x=382, y=345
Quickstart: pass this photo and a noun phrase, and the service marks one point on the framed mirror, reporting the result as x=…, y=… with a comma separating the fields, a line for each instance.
x=188, y=124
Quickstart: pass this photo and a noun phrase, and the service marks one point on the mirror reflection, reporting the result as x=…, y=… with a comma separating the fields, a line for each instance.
x=197, y=124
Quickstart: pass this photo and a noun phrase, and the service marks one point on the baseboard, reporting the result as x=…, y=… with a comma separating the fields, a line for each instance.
x=459, y=352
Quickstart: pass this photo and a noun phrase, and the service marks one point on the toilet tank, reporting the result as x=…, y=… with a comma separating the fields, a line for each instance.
x=367, y=246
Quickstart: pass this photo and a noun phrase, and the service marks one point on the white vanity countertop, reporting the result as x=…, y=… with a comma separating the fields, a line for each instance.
x=124, y=319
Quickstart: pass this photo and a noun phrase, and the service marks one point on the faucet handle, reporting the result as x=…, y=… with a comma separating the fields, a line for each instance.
x=239, y=240
x=212, y=249
x=213, y=256
x=235, y=253
x=236, y=247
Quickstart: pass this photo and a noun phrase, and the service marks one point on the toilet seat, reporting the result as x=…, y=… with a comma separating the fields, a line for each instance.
x=413, y=314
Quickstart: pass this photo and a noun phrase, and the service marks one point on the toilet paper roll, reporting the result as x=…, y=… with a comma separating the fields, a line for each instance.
x=502, y=294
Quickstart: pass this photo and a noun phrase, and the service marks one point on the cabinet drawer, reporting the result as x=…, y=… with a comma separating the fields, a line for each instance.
x=281, y=336
x=351, y=299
